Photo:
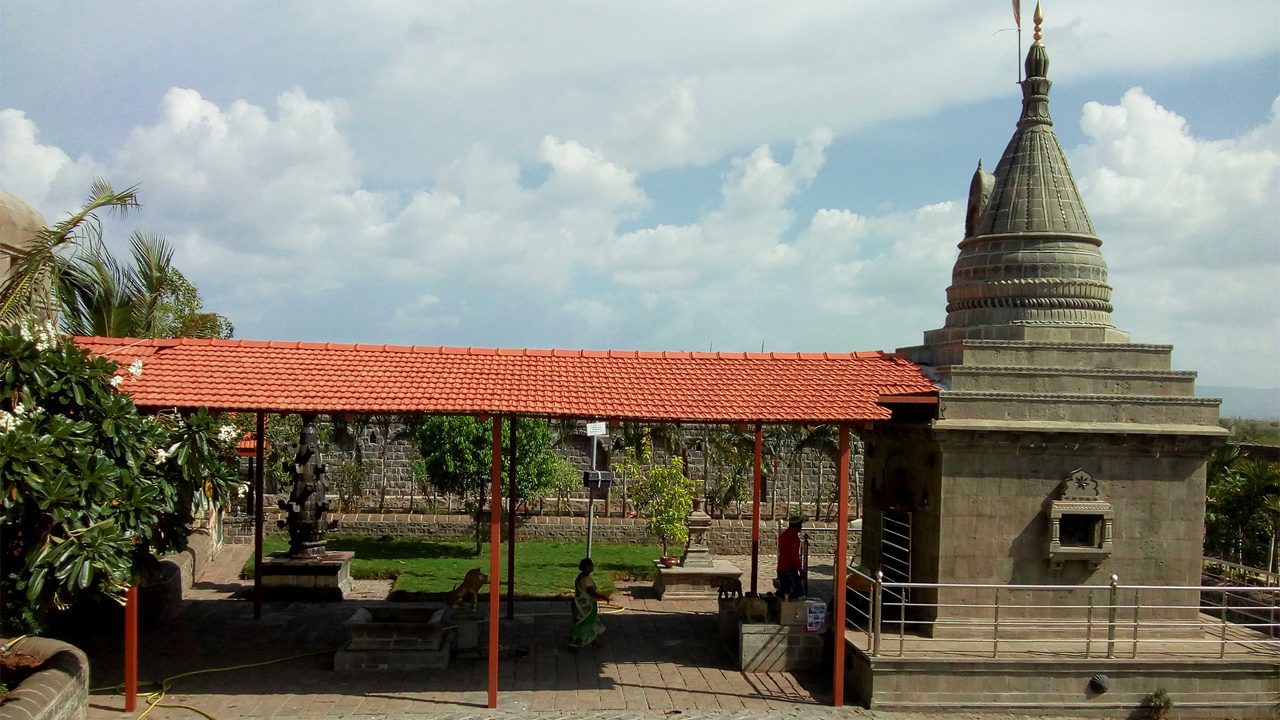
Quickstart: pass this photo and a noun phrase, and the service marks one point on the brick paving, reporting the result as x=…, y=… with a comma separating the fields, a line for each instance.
x=658, y=659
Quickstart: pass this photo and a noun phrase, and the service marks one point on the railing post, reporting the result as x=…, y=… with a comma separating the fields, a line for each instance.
x=1137, y=602
x=902, y=619
x=995, y=626
x=877, y=608
x=1088, y=631
x=1222, y=638
x=1111, y=617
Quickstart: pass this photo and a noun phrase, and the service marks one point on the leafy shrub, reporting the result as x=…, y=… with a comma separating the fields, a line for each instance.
x=93, y=491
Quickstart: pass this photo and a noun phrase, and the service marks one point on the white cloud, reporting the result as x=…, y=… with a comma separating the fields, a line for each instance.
x=553, y=239
x=1190, y=232
x=43, y=175
x=591, y=311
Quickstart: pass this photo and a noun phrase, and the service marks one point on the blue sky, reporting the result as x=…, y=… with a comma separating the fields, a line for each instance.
x=652, y=175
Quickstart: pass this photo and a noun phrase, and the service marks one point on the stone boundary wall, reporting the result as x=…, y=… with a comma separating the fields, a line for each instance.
x=726, y=537
x=60, y=689
x=388, y=453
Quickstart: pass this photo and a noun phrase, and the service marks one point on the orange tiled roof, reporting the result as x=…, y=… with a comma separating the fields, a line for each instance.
x=608, y=384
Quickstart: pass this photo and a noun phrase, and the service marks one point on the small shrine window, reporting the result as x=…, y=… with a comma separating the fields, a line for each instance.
x=1080, y=523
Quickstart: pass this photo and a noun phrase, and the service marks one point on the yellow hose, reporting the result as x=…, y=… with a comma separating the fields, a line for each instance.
x=153, y=698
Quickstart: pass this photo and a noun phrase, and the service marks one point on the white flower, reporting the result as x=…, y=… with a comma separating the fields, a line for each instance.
x=43, y=335
x=117, y=381
x=160, y=455
x=19, y=409
x=7, y=421
x=228, y=433
x=46, y=337
x=135, y=368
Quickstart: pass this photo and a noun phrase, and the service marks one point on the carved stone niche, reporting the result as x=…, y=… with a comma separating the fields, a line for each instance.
x=1079, y=523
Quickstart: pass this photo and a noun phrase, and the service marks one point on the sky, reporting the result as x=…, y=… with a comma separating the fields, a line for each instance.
x=724, y=176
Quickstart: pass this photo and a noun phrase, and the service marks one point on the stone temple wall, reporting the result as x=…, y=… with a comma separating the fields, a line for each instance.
x=804, y=484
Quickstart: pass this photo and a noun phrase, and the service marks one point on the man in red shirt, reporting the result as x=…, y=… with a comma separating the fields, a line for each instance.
x=789, y=566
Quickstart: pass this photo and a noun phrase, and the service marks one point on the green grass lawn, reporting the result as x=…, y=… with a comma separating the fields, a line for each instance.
x=430, y=567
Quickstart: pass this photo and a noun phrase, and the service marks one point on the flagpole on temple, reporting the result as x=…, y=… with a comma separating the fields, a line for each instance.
x=1017, y=20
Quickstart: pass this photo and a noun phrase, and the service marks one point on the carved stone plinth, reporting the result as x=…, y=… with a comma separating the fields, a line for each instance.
x=694, y=582
x=327, y=577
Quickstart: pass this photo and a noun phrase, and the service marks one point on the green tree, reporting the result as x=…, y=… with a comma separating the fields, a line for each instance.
x=93, y=491
x=1238, y=527
x=731, y=450
x=825, y=440
x=28, y=291
x=148, y=298
x=662, y=492
x=457, y=455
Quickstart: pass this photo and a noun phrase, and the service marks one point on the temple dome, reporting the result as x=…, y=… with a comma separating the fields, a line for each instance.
x=1030, y=257
x=19, y=223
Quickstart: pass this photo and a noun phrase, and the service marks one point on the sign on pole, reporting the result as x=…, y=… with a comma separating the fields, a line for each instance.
x=595, y=429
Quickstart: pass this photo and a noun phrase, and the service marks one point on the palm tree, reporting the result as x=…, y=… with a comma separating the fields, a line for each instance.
x=29, y=288
x=149, y=298
x=1271, y=503
x=824, y=439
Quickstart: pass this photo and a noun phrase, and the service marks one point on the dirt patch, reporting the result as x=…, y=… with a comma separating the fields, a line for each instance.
x=16, y=667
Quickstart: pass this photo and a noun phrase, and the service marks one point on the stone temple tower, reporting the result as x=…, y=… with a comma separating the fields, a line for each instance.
x=1060, y=452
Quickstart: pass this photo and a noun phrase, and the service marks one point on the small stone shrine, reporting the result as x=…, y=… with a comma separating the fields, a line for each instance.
x=698, y=575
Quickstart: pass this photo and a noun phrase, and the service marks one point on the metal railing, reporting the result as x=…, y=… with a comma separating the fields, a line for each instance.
x=1091, y=621
x=1224, y=572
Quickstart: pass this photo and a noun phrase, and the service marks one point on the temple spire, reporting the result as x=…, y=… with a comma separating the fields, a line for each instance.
x=1030, y=257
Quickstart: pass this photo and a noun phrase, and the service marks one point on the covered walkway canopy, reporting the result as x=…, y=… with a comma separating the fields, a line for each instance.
x=298, y=377
x=294, y=377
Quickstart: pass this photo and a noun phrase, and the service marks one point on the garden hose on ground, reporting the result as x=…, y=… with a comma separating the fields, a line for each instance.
x=153, y=698
x=8, y=647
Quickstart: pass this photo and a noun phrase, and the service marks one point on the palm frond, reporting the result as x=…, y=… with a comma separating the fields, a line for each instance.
x=32, y=274
x=150, y=280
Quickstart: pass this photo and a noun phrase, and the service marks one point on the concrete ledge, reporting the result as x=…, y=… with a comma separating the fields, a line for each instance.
x=1080, y=428
x=1200, y=688
x=695, y=582
x=60, y=689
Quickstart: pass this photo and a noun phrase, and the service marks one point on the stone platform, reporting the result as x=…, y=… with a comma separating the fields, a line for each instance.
x=693, y=582
x=407, y=637
x=327, y=577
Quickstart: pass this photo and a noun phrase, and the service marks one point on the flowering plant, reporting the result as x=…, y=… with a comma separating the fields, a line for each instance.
x=91, y=491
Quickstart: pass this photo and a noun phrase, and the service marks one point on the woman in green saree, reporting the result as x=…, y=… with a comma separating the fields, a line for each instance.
x=586, y=615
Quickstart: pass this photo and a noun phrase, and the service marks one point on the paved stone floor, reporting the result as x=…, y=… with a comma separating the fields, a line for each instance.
x=657, y=659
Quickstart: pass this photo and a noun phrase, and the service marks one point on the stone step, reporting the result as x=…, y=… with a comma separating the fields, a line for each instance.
x=1019, y=353
x=1078, y=408
x=1072, y=381
x=1198, y=687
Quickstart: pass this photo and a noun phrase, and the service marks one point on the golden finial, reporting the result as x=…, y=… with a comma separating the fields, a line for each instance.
x=1039, y=18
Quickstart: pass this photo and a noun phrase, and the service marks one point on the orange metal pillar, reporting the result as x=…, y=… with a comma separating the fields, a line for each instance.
x=755, y=511
x=259, y=491
x=131, y=649
x=511, y=519
x=495, y=548
x=841, y=570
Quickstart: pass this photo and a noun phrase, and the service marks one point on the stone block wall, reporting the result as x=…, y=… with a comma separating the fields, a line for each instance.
x=726, y=537
x=805, y=482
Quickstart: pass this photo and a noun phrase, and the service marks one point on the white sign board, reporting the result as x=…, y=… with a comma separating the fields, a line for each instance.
x=595, y=429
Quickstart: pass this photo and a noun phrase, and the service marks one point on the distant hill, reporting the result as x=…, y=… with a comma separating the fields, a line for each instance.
x=1237, y=402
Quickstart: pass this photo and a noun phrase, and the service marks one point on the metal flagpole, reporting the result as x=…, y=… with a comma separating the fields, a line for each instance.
x=1017, y=20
